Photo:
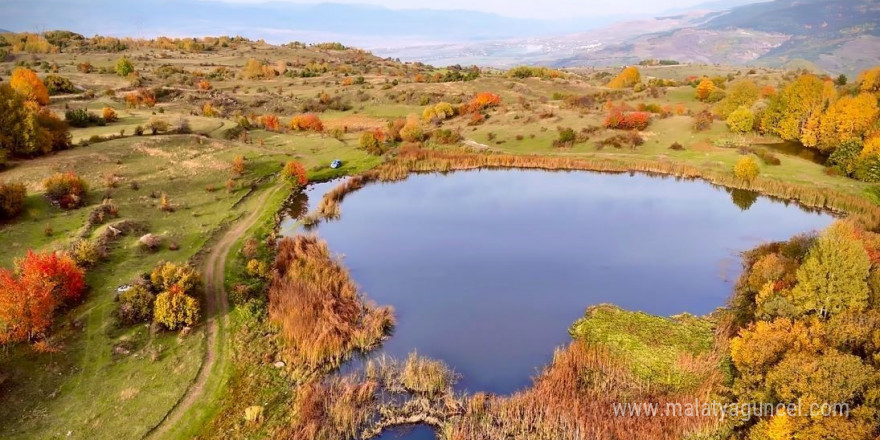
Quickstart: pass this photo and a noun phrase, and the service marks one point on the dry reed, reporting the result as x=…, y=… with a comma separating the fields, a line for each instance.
x=321, y=314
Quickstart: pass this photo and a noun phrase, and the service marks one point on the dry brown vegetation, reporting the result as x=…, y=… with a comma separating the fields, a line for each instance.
x=322, y=315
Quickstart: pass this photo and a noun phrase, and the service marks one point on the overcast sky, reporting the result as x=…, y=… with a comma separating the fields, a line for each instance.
x=540, y=9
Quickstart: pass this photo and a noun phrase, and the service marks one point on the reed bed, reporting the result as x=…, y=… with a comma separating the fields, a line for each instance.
x=573, y=399
x=422, y=160
x=321, y=314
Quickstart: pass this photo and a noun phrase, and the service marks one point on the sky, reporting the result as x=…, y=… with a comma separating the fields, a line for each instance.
x=370, y=24
x=531, y=9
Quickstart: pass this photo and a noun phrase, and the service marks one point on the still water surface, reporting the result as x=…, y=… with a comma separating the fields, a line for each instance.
x=486, y=270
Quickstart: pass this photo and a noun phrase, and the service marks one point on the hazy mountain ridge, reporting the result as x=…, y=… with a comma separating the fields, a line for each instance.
x=837, y=36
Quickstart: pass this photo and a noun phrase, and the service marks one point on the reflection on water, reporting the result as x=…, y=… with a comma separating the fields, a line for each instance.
x=486, y=270
x=796, y=149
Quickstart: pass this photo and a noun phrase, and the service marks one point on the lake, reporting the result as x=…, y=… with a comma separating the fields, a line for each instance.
x=487, y=270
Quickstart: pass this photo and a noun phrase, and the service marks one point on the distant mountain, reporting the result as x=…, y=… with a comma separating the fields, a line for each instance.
x=276, y=21
x=835, y=35
x=840, y=36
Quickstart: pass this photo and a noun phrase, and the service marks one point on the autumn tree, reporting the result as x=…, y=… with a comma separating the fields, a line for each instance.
x=124, y=67
x=628, y=77
x=270, y=122
x=818, y=343
x=30, y=296
x=412, y=131
x=789, y=110
x=109, y=114
x=184, y=277
x=869, y=80
x=238, y=165
x=26, y=83
x=295, y=175
x=834, y=275
x=741, y=93
x=174, y=309
x=66, y=189
x=370, y=141
x=741, y=121
x=746, y=169
x=705, y=89
x=306, y=122
x=12, y=198
x=848, y=118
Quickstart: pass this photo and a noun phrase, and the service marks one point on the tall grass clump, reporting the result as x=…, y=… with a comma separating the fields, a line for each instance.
x=321, y=314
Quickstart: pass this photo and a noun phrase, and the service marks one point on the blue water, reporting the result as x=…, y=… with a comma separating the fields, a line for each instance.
x=487, y=270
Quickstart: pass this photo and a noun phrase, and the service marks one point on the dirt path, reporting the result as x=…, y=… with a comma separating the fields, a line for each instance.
x=217, y=307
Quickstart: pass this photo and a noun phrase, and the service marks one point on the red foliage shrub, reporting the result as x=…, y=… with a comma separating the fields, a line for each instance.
x=620, y=120
x=270, y=122
x=30, y=297
x=295, y=174
x=306, y=122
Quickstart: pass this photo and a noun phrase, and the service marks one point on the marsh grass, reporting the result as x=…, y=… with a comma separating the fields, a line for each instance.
x=321, y=314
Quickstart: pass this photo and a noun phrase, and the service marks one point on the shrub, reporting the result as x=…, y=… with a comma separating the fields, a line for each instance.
x=79, y=117
x=40, y=284
x=66, y=189
x=566, y=138
x=157, y=125
x=370, y=141
x=412, y=131
x=845, y=157
x=124, y=67
x=676, y=146
x=109, y=114
x=446, y=137
x=175, y=309
x=238, y=165
x=703, y=120
x=746, y=169
x=57, y=85
x=306, y=122
x=135, y=305
x=85, y=253
x=741, y=120
x=257, y=269
x=294, y=174
x=767, y=157
x=169, y=276
x=621, y=120
x=12, y=198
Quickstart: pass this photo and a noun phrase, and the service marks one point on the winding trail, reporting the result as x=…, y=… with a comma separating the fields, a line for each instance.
x=217, y=309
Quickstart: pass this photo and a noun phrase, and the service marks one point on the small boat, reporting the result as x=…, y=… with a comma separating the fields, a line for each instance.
x=336, y=164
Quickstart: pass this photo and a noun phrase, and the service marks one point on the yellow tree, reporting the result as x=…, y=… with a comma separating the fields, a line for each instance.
x=627, y=78
x=28, y=84
x=790, y=109
x=705, y=89
x=740, y=93
x=847, y=119
x=869, y=80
